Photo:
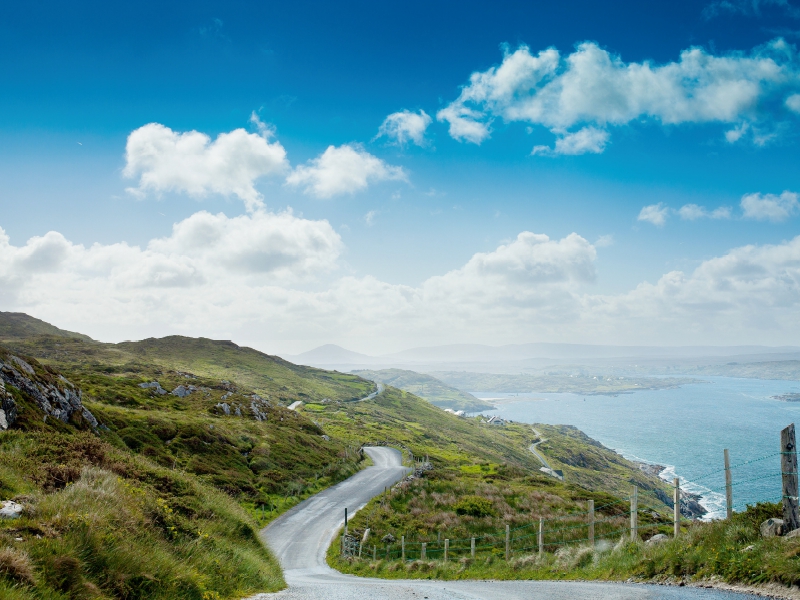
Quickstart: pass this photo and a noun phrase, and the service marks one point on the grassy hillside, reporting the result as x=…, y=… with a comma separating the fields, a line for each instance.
x=427, y=387
x=100, y=521
x=579, y=383
x=20, y=326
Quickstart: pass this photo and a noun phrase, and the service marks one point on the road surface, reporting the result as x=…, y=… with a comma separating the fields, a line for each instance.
x=300, y=539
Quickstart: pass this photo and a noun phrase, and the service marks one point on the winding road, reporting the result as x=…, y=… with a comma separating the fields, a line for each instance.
x=300, y=538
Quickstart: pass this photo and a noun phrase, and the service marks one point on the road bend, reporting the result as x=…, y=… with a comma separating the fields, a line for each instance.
x=300, y=539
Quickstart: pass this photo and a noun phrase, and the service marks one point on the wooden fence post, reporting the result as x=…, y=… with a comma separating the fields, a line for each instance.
x=635, y=513
x=472, y=548
x=789, y=478
x=446, y=548
x=403, y=547
x=591, y=523
x=508, y=542
x=541, y=536
x=422, y=555
x=728, y=485
x=676, y=507
x=374, y=552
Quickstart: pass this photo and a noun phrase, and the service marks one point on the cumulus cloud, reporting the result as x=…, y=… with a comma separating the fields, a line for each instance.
x=793, y=103
x=770, y=207
x=692, y=212
x=654, y=213
x=404, y=127
x=589, y=140
x=165, y=160
x=343, y=170
x=592, y=89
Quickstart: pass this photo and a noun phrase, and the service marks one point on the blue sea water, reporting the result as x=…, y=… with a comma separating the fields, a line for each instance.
x=684, y=429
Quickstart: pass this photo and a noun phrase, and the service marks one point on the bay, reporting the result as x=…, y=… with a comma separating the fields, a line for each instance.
x=684, y=429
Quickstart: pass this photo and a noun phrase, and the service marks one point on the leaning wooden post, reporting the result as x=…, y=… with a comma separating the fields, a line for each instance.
x=403, y=547
x=635, y=513
x=422, y=555
x=472, y=548
x=446, y=548
x=374, y=553
x=676, y=507
x=789, y=477
x=508, y=542
x=728, y=484
x=541, y=536
x=591, y=523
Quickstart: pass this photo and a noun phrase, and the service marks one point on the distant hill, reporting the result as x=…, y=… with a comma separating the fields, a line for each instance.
x=270, y=376
x=427, y=387
x=330, y=354
x=20, y=326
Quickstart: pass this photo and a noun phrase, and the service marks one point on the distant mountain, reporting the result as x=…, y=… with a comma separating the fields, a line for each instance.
x=427, y=387
x=331, y=354
x=16, y=326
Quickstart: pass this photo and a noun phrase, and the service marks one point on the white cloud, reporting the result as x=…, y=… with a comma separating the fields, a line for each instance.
x=343, y=170
x=592, y=89
x=604, y=241
x=165, y=160
x=793, y=103
x=770, y=207
x=654, y=213
x=369, y=218
x=265, y=279
x=405, y=126
x=589, y=140
x=692, y=212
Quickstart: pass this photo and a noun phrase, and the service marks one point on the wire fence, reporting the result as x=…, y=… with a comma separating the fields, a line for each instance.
x=611, y=521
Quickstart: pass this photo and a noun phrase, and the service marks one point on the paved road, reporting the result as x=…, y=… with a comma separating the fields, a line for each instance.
x=374, y=394
x=533, y=449
x=301, y=537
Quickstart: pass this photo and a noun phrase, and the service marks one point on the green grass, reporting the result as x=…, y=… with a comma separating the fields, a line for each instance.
x=102, y=523
x=730, y=550
x=427, y=387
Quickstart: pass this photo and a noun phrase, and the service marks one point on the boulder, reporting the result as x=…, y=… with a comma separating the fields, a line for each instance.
x=772, y=528
x=658, y=538
x=224, y=407
x=10, y=510
x=181, y=391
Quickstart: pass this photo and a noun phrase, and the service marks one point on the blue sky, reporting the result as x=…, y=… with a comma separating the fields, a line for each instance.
x=393, y=240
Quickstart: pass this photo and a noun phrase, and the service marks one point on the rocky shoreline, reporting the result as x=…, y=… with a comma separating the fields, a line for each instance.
x=690, y=503
x=791, y=397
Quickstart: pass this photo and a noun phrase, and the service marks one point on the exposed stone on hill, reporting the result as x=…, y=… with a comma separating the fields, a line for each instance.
x=224, y=407
x=54, y=395
x=659, y=538
x=181, y=391
x=259, y=407
x=10, y=510
x=690, y=503
x=772, y=528
x=154, y=385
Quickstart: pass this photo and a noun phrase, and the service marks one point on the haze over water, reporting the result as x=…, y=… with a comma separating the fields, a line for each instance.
x=684, y=429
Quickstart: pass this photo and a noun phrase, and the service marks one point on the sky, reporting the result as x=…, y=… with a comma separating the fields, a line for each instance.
x=391, y=175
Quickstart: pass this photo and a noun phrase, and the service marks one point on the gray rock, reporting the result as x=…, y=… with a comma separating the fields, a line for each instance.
x=658, y=538
x=224, y=407
x=181, y=391
x=772, y=528
x=10, y=510
x=23, y=365
x=154, y=385
x=792, y=534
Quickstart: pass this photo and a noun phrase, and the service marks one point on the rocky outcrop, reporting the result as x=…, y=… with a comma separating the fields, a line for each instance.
x=690, y=503
x=155, y=386
x=772, y=528
x=52, y=393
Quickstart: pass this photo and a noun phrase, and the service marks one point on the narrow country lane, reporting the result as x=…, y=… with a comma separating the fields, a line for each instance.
x=300, y=539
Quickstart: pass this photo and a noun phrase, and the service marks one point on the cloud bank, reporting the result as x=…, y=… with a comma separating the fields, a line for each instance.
x=579, y=96
x=272, y=278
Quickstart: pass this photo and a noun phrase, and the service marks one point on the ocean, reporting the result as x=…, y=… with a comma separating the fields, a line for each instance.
x=684, y=429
